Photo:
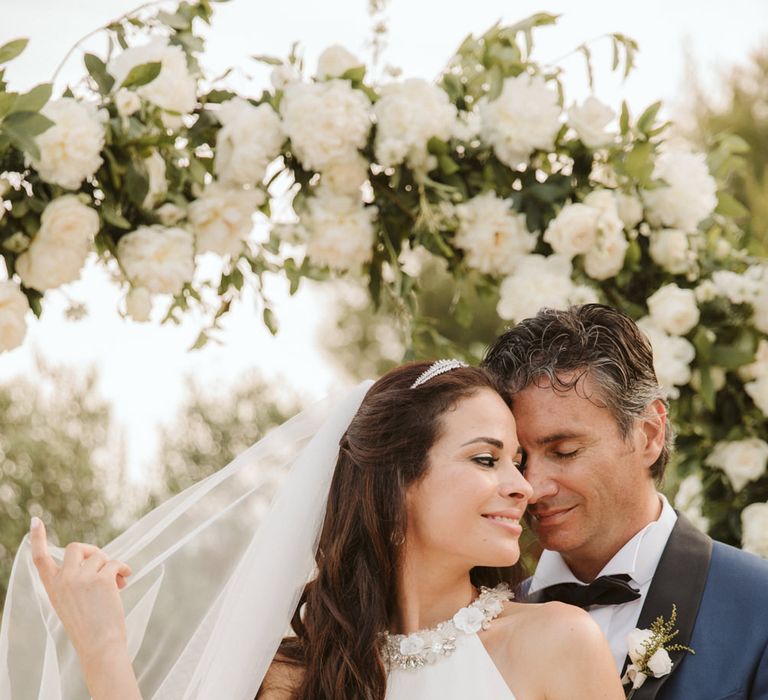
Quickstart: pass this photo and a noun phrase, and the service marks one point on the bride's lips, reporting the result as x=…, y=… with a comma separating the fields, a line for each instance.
x=509, y=520
x=550, y=517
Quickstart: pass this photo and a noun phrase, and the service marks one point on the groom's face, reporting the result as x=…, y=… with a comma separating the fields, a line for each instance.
x=591, y=485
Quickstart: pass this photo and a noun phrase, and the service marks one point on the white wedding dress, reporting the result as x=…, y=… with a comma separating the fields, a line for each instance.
x=467, y=673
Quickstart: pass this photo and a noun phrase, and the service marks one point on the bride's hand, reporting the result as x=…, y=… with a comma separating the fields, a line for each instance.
x=84, y=591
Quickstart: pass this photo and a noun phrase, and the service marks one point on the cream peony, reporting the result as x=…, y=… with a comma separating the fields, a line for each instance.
x=741, y=460
x=222, y=218
x=340, y=230
x=590, y=121
x=248, y=142
x=59, y=249
x=574, y=230
x=689, y=196
x=158, y=185
x=70, y=151
x=523, y=118
x=492, y=234
x=335, y=61
x=674, y=310
x=754, y=529
x=13, y=309
x=157, y=258
x=671, y=249
x=174, y=89
x=138, y=304
x=326, y=122
x=672, y=357
x=408, y=114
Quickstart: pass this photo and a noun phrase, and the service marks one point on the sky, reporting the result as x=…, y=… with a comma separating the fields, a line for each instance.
x=144, y=367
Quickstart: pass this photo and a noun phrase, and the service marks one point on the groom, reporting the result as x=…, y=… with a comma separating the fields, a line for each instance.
x=591, y=419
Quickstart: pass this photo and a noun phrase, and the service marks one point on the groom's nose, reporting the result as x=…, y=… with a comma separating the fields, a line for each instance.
x=541, y=481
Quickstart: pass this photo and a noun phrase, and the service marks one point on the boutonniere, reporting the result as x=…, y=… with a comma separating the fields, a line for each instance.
x=649, y=651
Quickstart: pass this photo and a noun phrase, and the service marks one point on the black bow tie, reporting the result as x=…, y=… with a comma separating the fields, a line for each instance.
x=604, y=590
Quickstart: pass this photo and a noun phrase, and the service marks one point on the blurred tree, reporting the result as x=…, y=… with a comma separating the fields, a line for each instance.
x=59, y=460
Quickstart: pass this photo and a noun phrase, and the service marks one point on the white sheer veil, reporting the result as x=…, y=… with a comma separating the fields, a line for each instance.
x=212, y=593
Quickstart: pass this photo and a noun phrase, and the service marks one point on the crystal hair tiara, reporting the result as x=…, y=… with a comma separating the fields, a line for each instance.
x=437, y=368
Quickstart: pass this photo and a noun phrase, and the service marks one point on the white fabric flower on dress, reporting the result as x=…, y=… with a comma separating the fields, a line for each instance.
x=590, y=121
x=741, y=460
x=469, y=620
x=70, y=151
x=493, y=235
x=412, y=644
x=754, y=531
x=673, y=309
x=13, y=309
x=523, y=118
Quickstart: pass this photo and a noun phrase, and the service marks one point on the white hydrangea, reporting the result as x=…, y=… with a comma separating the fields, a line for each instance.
x=158, y=185
x=493, y=235
x=70, y=151
x=523, y=118
x=671, y=249
x=689, y=196
x=408, y=114
x=346, y=176
x=674, y=310
x=690, y=501
x=540, y=281
x=326, y=122
x=340, y=232
x=249, y=140
x=672, y=357
x=222, y=218
x=174, y=89
x=630, y=209
x=13, y=309
x=741, y=460
x=590, y=121
x=754, y=529
x=574, y=230
x=61, y=245
x=335, y=61
x=138, y=304
x=157, y=258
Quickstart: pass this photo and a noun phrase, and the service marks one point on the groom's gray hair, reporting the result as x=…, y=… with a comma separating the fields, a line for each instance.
x=559, y=348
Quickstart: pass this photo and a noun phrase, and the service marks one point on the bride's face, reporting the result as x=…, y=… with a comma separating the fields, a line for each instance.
x=466, y=510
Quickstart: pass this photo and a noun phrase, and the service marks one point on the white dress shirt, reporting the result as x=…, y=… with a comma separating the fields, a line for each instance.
x=639, y=558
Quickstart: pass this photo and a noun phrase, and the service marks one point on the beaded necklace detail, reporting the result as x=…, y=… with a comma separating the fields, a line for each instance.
x=410, y=651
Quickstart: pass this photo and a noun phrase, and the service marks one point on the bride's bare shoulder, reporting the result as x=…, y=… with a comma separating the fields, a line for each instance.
x=281, y=681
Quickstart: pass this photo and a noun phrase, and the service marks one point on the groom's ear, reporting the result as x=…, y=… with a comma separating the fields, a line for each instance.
x=653, y=429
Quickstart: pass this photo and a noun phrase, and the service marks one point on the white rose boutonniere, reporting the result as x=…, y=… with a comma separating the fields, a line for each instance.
x=648, y=651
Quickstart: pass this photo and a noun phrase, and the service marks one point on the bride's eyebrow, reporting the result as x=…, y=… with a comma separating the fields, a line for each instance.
x=487, y=440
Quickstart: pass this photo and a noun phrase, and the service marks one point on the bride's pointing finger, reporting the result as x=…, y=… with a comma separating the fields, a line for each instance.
x=46, y=567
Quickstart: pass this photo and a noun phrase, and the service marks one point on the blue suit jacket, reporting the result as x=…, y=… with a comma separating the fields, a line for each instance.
x=721, y=595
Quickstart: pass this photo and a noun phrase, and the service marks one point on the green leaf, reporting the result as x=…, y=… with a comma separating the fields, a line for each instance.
x=355, y=74
x=437, y=147
x=114, y=219
x=624, y=118
x=728, y=205
x=174, y=21
x=21, y=129
x=34, y=100
x=6, y=102
x=270, y=321
x=97, y=69
x=588, y=59
x=141, y=75
x=269, y=60
x=448, y=165
x=12, y=49
x=638, y=162
x=136, y=184
x=197, y=170
x=648, y=117
x=201, y=341
x=707, y=388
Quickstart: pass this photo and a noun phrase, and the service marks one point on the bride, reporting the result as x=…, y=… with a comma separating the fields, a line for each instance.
x=408, y=595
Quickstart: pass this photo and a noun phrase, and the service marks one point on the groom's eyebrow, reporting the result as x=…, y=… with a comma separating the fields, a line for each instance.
x=488, y=440
x=557, y=437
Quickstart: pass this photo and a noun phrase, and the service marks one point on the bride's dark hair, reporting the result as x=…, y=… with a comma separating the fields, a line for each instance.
x=336, y=652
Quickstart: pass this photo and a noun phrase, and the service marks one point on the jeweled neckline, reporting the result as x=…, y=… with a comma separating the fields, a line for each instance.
x=410, y=651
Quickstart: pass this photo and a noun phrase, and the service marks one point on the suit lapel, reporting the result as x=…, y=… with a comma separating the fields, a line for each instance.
x=685, y=559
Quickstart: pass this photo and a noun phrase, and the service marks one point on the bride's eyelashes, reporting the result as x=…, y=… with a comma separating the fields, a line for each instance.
x=486, y=460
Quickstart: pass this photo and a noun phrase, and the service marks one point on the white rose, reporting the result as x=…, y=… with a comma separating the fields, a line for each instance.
x=590, y=121
x=127, y=102
x=283, y=75
x=760, y=307
x=660, y=664
x=672, y=357
x=59, y=249
x=13, y=309
x=248, y=142
x=158, y=185
x=574, y=230
x=758, y=392
x=638, y=643
x=347, y=176
x=759, y=367
x=70, y=151
x=742, y=460
x=738, y=289
x=469, y=620
x=412, y=644
x=413, y=260
x=493, y=235
x=523, y=118
x=673, y=309
x=138, y=304
x=340, y=230
x=335, y=61
x=671, y=249
x=170, y=214
x=706, y=291
x=158, y=258
x=754, y=525
x=690, y=500
x=408, y=114
x=630, y=209
x=174, y=89
x=606, y=258
x=635, y=676
x=689, y=196
x=222, y=218
x=326, y=121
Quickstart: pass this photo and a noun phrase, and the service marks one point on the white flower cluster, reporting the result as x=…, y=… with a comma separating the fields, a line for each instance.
x=674, y=250
x=523, y=118
x=690, y=501
x=493, y=236
x=672, y=357
x=741, y=460
x=408, y=114
x=660, y=664
x=754, y=529
x=590, y=121
x=59, y=249
x=13, y=309
x=335, y=61
x=249, y=140
x=757, y=372
x=70, y=151
x=674, y=310
x=540, y=281
x=158, y=184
